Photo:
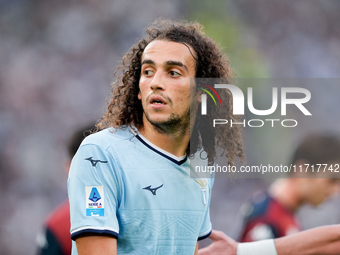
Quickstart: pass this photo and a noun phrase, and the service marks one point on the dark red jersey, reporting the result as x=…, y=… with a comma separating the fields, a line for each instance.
x=56, y=236
x=266, y=218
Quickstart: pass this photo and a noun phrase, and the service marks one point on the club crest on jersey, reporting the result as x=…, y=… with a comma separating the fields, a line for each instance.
x=94, y=200
x=203, y=183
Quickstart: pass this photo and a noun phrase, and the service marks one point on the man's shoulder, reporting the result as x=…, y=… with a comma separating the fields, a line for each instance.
x=106, y=137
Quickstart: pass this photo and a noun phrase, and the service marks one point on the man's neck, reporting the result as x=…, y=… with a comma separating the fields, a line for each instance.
x=176, y=144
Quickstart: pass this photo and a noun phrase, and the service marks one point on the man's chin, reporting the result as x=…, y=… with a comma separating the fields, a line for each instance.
x=158, y=121
x=166, y=123
x=158, y=118
x=318, y=203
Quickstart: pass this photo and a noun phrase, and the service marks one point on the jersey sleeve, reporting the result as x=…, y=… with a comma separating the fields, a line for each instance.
x=93, y=190
x=206, y=226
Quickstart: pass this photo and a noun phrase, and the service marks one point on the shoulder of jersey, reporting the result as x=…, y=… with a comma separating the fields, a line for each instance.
x=259, y=205
x=108, y=136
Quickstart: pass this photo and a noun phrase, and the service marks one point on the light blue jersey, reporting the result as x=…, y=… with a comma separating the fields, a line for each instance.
x=122, y=185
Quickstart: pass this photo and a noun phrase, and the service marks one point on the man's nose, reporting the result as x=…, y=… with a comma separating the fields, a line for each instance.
x=157, y=82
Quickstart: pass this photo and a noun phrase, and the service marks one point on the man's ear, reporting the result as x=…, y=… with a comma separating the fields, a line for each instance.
x=199, y=93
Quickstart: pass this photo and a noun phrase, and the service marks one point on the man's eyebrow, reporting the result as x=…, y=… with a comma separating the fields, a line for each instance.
x=167, y=63
x=176, y=63
x=148, y=61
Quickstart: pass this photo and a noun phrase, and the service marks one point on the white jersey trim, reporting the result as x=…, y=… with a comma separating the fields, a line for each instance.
x=93, y=228
x=205, y=234
x=167, y=154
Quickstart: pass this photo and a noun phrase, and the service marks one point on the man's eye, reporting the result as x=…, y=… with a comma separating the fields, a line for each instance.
x=174, y=74
x=148, y=72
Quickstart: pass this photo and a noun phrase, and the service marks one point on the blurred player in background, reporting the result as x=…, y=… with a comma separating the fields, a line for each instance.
x=271, y=214
x=55, y=238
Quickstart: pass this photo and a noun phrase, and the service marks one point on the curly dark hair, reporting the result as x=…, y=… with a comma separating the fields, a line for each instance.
x=125, y=109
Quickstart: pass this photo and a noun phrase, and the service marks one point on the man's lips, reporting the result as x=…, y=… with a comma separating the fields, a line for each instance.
x=155, y=99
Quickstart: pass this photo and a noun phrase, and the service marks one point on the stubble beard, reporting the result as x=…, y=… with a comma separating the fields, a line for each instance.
x=175, y=125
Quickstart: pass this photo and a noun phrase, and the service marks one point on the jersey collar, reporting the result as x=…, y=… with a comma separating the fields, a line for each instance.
x=163, y=153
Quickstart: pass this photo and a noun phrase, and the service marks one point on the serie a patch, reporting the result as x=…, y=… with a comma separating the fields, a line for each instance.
x=94, y=200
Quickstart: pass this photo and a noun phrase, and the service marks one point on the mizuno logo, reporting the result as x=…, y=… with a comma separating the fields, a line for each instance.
x=94, y=162
x=153, y=190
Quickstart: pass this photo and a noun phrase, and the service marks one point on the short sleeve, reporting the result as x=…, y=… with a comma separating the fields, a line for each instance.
x=206, y=226
x=93, y=190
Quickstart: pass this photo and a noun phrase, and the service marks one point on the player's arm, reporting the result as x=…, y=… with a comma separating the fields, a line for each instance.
x=196, y=250
x=222, y=244
x=96, y=245
x=321, y=240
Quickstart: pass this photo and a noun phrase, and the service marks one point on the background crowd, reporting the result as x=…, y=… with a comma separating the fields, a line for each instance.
x=57, y=60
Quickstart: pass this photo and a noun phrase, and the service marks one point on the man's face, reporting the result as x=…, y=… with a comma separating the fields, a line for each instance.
x=165, y=85
x=320, y=189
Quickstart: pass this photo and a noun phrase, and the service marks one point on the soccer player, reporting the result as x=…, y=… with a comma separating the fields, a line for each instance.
x=129, y=186
x=55, y=237
x=271, y=213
